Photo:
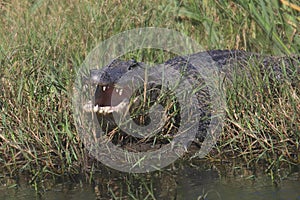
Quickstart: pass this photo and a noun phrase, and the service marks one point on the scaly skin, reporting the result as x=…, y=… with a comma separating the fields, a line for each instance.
x=225, y=62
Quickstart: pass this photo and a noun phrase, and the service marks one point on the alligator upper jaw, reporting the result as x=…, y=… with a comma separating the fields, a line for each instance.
x=108, y=99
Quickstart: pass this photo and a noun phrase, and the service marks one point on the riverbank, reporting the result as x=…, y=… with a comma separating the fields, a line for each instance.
x=43, y=44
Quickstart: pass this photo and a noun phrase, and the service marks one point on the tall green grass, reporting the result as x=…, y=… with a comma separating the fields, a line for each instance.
x=43, y=43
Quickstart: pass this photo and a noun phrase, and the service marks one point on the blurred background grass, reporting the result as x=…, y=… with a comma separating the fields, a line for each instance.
x=43, y=43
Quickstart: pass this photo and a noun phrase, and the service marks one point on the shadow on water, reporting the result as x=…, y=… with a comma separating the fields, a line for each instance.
x=181, y=180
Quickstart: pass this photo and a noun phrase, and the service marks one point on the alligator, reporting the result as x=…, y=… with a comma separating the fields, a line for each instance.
x=109, y=97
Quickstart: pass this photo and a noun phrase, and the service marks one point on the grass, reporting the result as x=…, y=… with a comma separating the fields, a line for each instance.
x=43, y=43
x=263, y=122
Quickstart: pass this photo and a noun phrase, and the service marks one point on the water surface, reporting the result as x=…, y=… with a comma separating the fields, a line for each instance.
x=182, y=181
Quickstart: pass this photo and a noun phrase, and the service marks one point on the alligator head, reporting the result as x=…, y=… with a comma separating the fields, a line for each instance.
x=106, y=80
x=111, y=96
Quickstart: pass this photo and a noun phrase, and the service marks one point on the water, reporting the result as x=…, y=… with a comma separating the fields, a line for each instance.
x=244, y=188
x=176, y=182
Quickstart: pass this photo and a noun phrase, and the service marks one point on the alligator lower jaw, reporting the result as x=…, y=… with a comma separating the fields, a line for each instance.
x=89, y=107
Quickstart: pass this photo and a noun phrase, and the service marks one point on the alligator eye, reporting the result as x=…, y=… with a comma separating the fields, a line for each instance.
x=133, y=64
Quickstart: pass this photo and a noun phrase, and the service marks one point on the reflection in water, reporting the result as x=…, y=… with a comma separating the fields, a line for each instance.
x=179, y=181
x=207, y=186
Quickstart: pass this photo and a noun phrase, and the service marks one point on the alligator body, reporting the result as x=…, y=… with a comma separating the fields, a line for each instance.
x=110, y=97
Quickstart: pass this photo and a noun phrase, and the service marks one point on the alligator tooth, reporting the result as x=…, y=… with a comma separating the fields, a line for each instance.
x=104, y=88
x=121, y=91
x=96, y=108
x=106, y=109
